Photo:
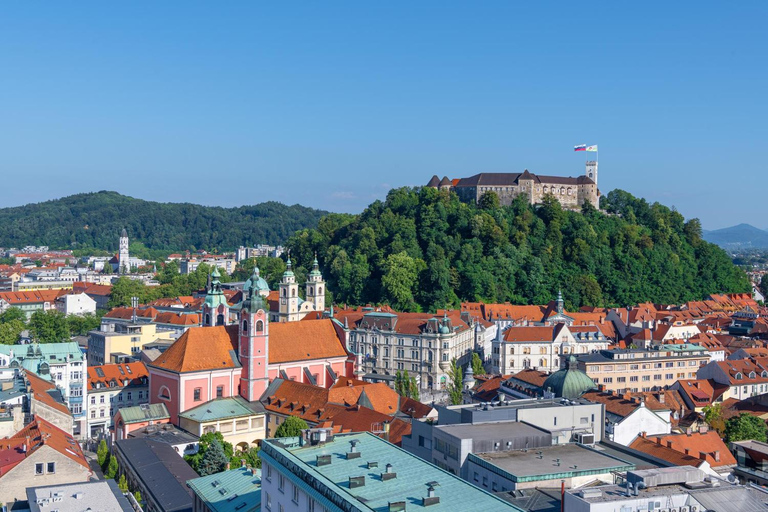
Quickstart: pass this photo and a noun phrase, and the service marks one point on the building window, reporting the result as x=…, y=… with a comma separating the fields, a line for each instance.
x=93, y=400
x=219, y=391
x=280, y=482
x=129, y=395
x=197, y=394
x=101, y=399
x=93, y=414
x=295, y=493
x=51, y=467
x=39, y=468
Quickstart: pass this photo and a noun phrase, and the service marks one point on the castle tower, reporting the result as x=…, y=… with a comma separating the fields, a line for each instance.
x=123, y=263
x=215, y=307
x=253, y=346
x=289, y=295
x=592, y=171
x=316, y=287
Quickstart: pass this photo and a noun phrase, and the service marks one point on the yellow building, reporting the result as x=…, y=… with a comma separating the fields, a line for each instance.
x=33, y=286
x=239, y=421
x=106, y=347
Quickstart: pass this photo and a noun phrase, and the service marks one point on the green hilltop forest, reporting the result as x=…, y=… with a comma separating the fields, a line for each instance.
x=425, y=249
x=95, y=220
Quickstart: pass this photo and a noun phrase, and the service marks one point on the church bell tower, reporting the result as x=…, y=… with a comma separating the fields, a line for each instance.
x=289, y=295
x=316, y=287
x=253, y=346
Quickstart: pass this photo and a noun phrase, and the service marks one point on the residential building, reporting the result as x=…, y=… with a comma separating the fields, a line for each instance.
x=700, y=393
x=122, y=341
x=385, y=342
x=751, y=461
x=182, y=442
x=170, y=324
x=341, y=405
x=63, y=364
x=75, y=304
x=301, y=474
x=626, y=416
x=683, y=489
x=158, y=472
x=744, y=377
x=40, y=454
x=112, y=387
x=545, y=348
x=241, y=423
x=130, y=419
x=706, y=448
x=636, y=370
x=44, y=400
x=570, y=192
x=100, y=293
x=241, y=359
x=103, y=495
x=30, y=301
x=244, y=253
x=235, y=490
x=25, y=286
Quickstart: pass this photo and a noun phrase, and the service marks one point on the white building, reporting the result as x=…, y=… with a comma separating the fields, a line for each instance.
x=112, y=387
x=76, y=304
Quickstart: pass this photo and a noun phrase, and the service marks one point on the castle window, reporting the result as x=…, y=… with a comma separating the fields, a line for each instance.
x=259, y=326
x=569, y=191
x=562, y=191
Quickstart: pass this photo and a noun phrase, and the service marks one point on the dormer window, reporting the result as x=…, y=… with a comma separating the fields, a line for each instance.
x=751, y=375
x=738, y=376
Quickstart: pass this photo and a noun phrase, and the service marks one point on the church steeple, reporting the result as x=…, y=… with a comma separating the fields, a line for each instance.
x=253, y=343
x=315, y=287
x=215, y=307
x=289, y=295
x=560, y=304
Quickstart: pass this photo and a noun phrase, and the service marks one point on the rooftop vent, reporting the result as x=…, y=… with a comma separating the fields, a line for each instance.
x=431, y=499
x=388, y=474
x=372, y=464
x=323, y=460
x=353, y=453
x=356, y=481
x=396, y=506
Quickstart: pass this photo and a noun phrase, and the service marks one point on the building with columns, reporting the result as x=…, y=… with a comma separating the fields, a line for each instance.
x=222, y=359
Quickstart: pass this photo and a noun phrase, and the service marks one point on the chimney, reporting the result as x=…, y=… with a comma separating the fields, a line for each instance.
x=661, y=397
x=703, y=455
x=658, y=440
x=242, y=463
x=687, y=451
x=669, y=444
x=716, y=454
x=643, y=434
x=703, y=428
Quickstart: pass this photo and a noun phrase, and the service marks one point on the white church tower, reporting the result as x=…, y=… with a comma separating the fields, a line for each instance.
x=123, y=263
x=316, y=287
x=289, y=295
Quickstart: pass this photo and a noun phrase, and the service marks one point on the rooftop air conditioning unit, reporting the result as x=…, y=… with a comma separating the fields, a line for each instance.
x=585, y=438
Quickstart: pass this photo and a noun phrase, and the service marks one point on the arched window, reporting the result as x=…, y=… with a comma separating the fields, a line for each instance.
x=245, y=326
x=283, y=290
x=319, y=290
x=207, y=319
x=164, y=394
x=569, y=191
x=311, y=291
x=259, y=326
x=219, y=319
x=293, y=292
x=562, y=191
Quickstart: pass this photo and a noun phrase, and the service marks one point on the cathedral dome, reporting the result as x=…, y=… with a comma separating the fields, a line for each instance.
x=569, y=382
x=258, y=282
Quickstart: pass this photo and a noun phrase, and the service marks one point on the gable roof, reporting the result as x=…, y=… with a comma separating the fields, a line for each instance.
x=306, y=340
x=125, y=374
x=35, y=435
x=704, y=446
x=661, y=451
x=201, y=348
x=46, y=392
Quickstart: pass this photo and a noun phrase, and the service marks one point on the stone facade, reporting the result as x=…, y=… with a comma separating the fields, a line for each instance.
x=571, y=192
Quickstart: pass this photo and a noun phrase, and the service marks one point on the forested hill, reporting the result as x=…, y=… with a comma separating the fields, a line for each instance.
x=96, y=220
x=424, y=248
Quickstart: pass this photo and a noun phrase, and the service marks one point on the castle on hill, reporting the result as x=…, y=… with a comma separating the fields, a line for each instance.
x=571, y=192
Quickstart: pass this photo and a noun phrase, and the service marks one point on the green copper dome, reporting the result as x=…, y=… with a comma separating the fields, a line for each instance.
x=258, y=282
x=569, y=382
x=288, y=268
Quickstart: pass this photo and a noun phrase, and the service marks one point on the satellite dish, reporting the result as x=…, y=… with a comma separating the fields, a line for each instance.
x=731, y=478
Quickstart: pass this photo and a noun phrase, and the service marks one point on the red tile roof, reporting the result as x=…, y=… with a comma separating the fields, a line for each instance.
x=208, y=348
x=31, y=297
x=126, y=374
x=36, y=434
x=705, y=446
x=40, y=388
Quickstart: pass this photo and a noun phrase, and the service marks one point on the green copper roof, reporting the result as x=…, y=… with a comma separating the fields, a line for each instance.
x=570, y=382
x=256, y=281
x=215, y=296
x=413, y=476
x=144, y=412
x=217, y=490
x=219, y=409
x=315, y=268
x=288, y=268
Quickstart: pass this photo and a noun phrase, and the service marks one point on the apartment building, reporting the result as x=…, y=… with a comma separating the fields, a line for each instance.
x=122, y=341
x=112, y=387
x=633, y=370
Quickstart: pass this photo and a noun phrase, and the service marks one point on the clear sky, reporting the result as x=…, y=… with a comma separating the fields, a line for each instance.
x=330, y=104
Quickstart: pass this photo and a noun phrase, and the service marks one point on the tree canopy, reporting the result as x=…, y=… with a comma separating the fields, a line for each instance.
x=745, y=426
x=291, y=427
x=95, y=220
x=424, y=248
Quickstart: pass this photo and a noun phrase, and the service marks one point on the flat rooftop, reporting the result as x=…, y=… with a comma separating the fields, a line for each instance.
x=542, y=463
x=410, y=484
x=491, y=431
x=103, y=495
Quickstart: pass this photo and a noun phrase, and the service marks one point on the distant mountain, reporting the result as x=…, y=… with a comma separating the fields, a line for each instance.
x=96, y=220
x=743, y=236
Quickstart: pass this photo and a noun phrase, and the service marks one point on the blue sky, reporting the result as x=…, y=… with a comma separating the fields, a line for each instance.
x=330, y=104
